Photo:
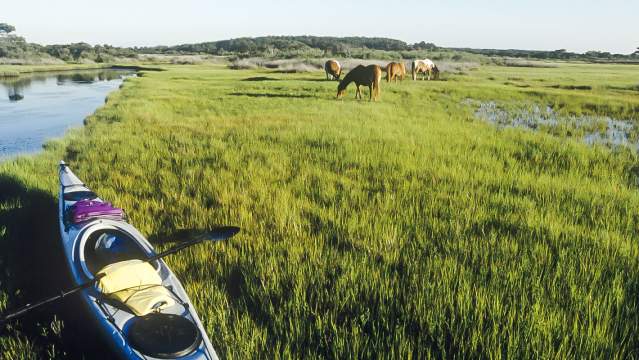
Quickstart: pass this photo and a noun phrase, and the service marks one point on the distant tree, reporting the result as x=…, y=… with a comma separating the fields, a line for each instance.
x=560, y=54
x=424, y=46
x=79, y=49
x=339, y=49
x=6, y=29
x=59, y=51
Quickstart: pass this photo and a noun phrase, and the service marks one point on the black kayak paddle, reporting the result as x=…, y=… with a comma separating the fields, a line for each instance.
x=217, y=234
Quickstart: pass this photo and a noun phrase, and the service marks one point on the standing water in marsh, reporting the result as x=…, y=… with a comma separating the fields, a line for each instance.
x=43, y=106
x=591, y=129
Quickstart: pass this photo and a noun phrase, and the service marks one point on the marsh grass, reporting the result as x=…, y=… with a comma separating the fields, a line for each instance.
x=397, y=229
x=278, y=65
x=514, y=62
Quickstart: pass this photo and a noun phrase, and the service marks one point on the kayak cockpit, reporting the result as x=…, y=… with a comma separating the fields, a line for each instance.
x=107, y=246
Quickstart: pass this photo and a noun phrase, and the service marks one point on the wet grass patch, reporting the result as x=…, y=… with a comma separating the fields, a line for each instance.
x=571, y=87
x=591, y=129
x=625, y=88
x=270, y=95
x=260, y=78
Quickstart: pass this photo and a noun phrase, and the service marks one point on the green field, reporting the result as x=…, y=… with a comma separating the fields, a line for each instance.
x=404, y=228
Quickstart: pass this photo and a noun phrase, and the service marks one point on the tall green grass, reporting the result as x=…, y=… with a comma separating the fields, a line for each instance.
x=402, y=228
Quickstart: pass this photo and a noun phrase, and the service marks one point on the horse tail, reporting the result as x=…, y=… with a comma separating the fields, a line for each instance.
x=376, y=85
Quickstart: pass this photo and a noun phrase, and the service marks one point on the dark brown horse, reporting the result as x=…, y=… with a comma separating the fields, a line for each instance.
x=370, y=76
x=395, y=70
x=333, y=70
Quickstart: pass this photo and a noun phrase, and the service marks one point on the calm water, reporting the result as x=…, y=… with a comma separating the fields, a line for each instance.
x=43, y=106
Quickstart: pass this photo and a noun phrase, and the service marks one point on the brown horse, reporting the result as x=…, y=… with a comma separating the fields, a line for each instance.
x=333, y=70
x=370, y=76
x=425, y=66
x=395, y=70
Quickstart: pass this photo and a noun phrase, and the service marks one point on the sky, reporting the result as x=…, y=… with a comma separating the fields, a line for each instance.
x=540, y=25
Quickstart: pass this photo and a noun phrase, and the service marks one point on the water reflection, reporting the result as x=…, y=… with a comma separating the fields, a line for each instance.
x=15, y=87
x=15, y=95
x=89, y=77
x=44, y=105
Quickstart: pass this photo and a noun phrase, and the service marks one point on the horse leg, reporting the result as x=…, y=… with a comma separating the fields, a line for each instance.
x=358, y=95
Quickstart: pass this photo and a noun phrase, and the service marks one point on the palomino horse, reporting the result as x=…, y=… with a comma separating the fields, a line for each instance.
x=394, y=71
x=425, y=66
x=370, y=76
x=333, y=70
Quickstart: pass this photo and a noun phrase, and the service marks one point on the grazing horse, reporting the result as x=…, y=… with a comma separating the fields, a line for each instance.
x=395, y=70
x=333, y=70
x=425, y=66
x=370, y=76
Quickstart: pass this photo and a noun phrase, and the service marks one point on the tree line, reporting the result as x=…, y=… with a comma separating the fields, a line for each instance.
x=16, y=47
x=561, y=54
x=274, y=45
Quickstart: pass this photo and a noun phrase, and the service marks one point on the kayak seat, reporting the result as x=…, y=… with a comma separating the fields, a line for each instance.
x=136, y=285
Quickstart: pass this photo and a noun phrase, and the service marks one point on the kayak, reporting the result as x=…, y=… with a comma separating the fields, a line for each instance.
x=139, y=306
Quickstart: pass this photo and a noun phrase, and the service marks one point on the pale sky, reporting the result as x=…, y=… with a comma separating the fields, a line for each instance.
x=610, y=25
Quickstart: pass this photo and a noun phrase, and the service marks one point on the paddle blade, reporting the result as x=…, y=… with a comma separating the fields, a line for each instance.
x=220, y=233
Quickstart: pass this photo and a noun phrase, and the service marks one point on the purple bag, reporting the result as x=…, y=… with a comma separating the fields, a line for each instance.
x=84, y=210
